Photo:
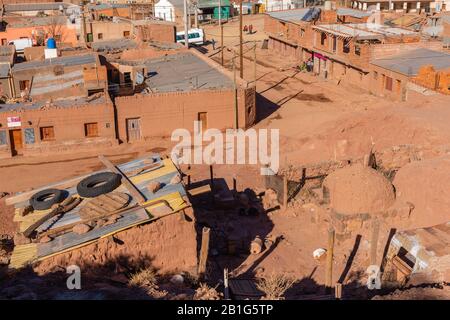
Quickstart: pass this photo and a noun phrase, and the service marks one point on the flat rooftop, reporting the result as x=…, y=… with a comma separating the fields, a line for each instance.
x=62, y=103
x=363, y=30
x=409, y=63
x=192, y=73
x=113, y=44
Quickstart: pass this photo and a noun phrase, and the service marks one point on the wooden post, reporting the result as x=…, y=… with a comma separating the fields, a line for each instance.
x=338, y=291
x=329, y=267
x=285, y=192
x=203, y=252
x=374, y=241
x=226, y=290
x=211, y=176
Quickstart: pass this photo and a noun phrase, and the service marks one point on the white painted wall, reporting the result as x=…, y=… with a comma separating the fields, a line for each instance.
x=165, y=10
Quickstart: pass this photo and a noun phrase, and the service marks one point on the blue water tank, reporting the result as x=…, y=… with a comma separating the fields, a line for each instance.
x=51, y=43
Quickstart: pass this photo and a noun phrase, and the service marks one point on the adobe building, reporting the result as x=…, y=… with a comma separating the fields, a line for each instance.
x=7, y=56
x=142, y=30
x=31, y=128
x=60, y=77
x=38, y=29
x=202, y=91
x=413, y=70
x=338, y=50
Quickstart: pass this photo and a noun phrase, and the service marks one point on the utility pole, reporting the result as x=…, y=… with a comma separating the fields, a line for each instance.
x=241, y=53
x=221, y=32
x=254, y=64
x=186, y=41
x=236, y=124
x=196, y=13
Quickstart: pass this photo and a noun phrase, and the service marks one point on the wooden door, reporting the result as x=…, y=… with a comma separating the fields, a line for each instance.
x=202, y=116
x=133, y=129
x=15, y=137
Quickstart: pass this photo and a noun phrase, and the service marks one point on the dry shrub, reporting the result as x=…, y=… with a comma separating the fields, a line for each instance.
x=205, y=292
x=275, y=285
x=143, y=278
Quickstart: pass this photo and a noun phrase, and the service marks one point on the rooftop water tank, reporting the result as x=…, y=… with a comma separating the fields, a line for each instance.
x=51, y=43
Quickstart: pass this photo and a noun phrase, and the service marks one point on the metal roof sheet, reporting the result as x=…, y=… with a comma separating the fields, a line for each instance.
x=304, y=14
x=409, y=63
x=65, y=61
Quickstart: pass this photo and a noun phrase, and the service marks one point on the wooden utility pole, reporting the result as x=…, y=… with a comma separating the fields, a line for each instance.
x=204, y=252
x=236, y=124
x=241, y=53
x=221, y=32
x=254, y=63
x=186, y=27
x=329, y=267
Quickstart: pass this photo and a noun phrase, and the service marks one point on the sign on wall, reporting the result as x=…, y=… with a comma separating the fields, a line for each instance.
x=13, y=122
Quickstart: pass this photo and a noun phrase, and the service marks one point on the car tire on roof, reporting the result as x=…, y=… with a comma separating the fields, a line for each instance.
x=45, y=199
x=98, y=184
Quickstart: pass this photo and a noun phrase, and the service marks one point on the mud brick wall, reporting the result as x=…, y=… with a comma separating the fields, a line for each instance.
x=391, y=49
x=432, y=79
x=156, y=32
x=69, y=127
x=168, y=245
x=162, y=113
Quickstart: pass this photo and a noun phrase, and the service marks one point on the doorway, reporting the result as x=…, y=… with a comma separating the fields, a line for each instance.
x=133, y=129
x=203, y=118
x=15, y=138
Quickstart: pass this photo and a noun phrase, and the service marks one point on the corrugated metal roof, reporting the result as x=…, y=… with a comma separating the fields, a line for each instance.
x=409, y=63
x=352, y=13
x=65, y=61
x=306, y=14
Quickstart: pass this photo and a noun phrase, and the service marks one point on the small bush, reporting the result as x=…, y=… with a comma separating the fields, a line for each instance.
x=143, y=278
x=275, y=285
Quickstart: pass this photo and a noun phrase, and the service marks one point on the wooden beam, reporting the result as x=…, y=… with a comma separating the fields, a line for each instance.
x=204, y=252
x=137, y=195
x=199, y=190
